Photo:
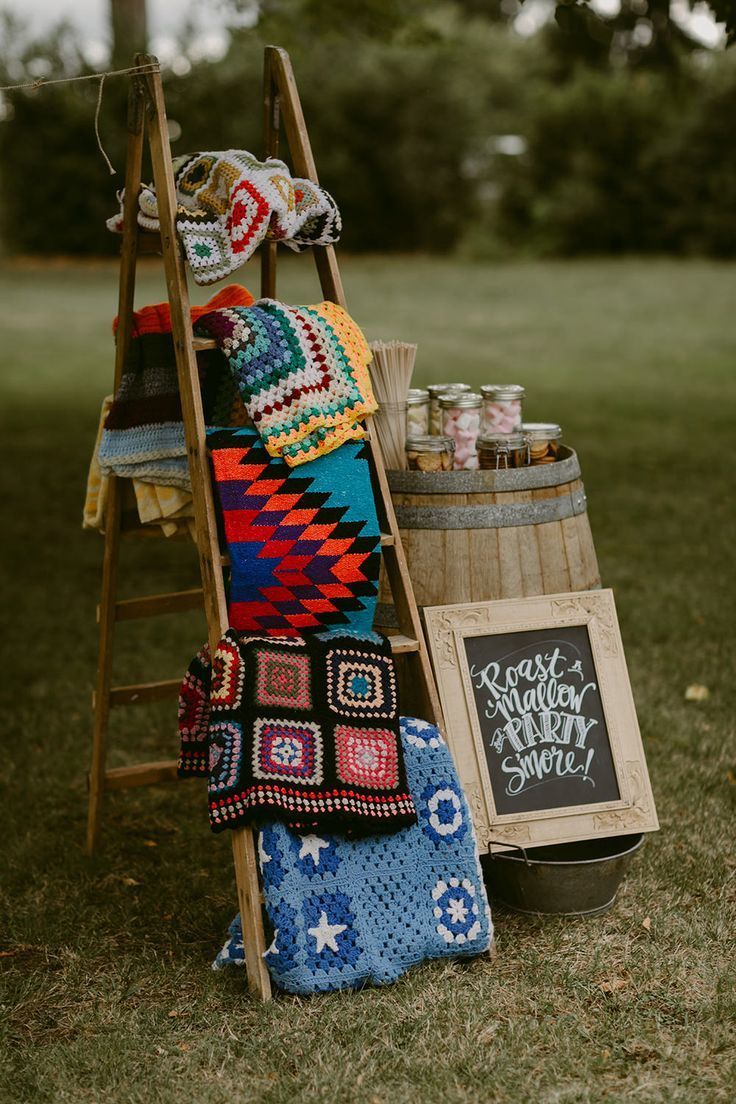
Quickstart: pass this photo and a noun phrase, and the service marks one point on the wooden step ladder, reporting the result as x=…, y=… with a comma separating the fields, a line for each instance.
x=147, y=114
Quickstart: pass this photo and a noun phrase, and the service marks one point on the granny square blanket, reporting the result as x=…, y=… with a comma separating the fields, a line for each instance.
x=304, y=543
x=302, y=372
x=344, y=913
x=228, y=202
x=305, y=730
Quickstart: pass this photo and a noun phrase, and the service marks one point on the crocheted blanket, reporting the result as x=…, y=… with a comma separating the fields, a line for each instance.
x=346, y=913
x=304, y=543
x=228, y=202
x=304, y=730
x=143, y=437
x=302, y=372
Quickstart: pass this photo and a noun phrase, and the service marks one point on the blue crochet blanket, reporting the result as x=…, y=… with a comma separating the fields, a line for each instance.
x=344, y=913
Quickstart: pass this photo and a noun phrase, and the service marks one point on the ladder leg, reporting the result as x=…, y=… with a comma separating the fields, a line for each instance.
x=104, y=662
x=251, y=916
x=281, y=102
x=126, y=296
x=244, y=855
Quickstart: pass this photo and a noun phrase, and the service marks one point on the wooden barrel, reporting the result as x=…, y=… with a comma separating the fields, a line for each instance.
x=475, y=535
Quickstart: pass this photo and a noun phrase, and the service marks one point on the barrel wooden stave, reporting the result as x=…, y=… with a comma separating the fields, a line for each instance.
x=449, y=565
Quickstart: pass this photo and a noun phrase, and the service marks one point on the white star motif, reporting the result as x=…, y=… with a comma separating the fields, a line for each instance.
x=458, y=910
x=312, y=845
x=262, y=853
x=324, y=934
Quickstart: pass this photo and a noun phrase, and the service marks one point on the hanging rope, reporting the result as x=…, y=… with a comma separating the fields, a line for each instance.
x=97, y=128
x=88, y=77
x=41, y=81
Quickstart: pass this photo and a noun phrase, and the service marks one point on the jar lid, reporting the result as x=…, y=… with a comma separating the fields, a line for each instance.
x=416, y=396
x=436, y=389
x=503, y=392
x=541, y=431
x=429, y=444
x=451, y=399
x=501, y=440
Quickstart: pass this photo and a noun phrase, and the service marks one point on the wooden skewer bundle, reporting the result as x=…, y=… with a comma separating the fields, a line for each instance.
x=391, y=369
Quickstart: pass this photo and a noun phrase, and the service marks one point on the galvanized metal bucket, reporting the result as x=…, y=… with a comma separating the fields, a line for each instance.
x=568, y=879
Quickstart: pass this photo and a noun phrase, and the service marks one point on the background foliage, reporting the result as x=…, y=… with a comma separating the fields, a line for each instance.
x=622, y=128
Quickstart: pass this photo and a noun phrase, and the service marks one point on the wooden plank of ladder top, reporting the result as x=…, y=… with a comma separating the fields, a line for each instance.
x=271, y=142
x=108, y=594
x=246, y=869
x=278, y=65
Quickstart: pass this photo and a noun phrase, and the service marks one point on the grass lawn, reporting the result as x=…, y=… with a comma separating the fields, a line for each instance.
x=106, y=991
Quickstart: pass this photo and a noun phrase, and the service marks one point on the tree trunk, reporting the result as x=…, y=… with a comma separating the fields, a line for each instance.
x=129, y=31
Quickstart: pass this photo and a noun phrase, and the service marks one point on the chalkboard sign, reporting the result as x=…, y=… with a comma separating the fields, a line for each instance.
x=540, y=718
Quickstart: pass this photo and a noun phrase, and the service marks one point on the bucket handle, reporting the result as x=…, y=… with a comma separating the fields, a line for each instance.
x=513, y=846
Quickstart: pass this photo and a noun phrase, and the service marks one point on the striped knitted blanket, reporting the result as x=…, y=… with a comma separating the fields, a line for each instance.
x=228, y=202
x=302, y=373
x=143, y=436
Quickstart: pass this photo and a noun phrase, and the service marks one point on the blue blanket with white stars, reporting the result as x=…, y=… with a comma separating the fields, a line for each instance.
x=345, y=913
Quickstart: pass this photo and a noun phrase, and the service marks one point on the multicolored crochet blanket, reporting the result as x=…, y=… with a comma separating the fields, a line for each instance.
x=143, y=436
x=344, y=913
x=228, y=202
x=304, y=730
x=304, y=543
x=302, y=372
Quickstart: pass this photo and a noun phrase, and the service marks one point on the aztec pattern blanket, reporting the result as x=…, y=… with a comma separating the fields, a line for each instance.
x=143, y=436
x=304, y=730
x=346, y=913
x=228, y=202
x=302, y=372
x=304, y=543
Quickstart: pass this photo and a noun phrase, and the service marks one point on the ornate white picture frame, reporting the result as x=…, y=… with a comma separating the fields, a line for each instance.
x=628, y=803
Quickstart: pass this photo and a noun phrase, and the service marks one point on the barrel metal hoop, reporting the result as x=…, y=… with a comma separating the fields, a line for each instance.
x=492, y=517
x=565, y=470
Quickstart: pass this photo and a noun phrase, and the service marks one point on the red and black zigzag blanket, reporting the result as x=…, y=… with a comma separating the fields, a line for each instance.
x=304, y=543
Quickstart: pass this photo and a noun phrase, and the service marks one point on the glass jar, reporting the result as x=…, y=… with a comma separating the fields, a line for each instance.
x=461, y=421
x=429, y=453
x=502, y=407
x=417, y=412
x=436, y=390
x=502, y=450
x=543, y=439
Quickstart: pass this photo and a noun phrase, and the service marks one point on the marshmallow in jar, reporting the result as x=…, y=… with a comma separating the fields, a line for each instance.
x=461, y=421
x=436, y=391
x=417, y=412
x=502, y=407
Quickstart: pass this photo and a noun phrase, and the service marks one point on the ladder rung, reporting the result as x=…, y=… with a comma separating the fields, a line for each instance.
x=144, y=692
x=201, y=343
x=144, y=774
x=401, y=644
x=154, y=605
x=149, y=241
